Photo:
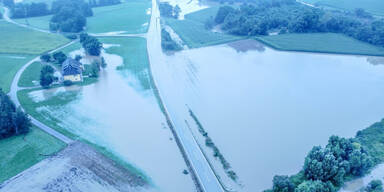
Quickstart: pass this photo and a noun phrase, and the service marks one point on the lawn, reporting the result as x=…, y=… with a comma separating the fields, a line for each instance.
x=19, y=153
x=15, y=39
x=321, y=42
x=9, y=65
x=130, y=17
x=375, y=7
x=38, y=22
x=133, y=50
x=31, y=73
x=203, y=15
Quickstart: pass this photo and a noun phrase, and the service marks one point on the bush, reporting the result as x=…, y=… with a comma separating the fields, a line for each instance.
x=374, y=186
x=59, y=57
x=46, y=76
x=45, y=58
x=68, y=83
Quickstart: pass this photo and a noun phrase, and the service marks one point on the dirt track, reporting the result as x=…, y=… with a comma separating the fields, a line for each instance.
x=77, y=168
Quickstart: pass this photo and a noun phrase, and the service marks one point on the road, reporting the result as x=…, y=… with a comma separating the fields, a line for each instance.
x=13, y=95
x=199, y=164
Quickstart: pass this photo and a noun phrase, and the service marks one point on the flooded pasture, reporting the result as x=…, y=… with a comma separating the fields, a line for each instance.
x=265, y=109
x=127, y=121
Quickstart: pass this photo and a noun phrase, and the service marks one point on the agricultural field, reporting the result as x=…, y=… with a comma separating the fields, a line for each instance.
x=19, y=40
x=9, y=65
x=319, y=42
x=21, y=152
x=195, y=35
x=30, y=75
x=37, y=22
x=373, y=6
x=127, y=17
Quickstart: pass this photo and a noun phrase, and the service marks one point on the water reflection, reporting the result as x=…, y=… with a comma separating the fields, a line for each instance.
x=266, y=109
x=376, y=60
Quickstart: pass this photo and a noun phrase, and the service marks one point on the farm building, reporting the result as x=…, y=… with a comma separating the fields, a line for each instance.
x=72, y=70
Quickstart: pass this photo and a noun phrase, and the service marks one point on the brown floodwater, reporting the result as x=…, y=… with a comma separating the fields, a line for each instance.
x=265, y=109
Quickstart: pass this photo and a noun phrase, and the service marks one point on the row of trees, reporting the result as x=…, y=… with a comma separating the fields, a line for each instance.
x=167, y=43
x=22, y=10
x=13, y=121
x=91, y=45
x=69, y=15
x=57, y=57
x=326, y=169
x=167, y=10
x=288, y=16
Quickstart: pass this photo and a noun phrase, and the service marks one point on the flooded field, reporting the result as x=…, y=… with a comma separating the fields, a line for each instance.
x=265, y=109
x=114, y=113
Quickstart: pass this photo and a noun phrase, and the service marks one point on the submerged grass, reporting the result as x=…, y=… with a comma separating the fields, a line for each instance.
x=18, y=153
x=322, y=43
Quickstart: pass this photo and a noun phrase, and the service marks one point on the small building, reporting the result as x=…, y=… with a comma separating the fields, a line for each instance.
x=72, y=70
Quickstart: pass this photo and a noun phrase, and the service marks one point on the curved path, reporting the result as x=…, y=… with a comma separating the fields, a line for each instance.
x=13, y=95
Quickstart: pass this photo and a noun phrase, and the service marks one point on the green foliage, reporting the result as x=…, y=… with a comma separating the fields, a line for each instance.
x=91, y=44
x=45, y=57
x=282, y=184
x=315, y=186
x=13, y=121
x=372, y=138
x=22, y=10
x=374, y=186
x=46, y=76
x=68, y=83
x=59, y=57
x=95, y=69
x=167, y=43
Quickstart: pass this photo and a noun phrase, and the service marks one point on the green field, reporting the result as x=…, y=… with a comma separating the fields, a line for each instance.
x=130, y=17
x=9, y=65
x=133, y=50
x=37, y=22
x=31, y=73
x=375, y=7
x=203, y=15
x=15, y=39
x=321, y=42
x=18, y=153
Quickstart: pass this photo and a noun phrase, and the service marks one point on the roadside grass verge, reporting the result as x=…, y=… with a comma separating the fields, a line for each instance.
x=373, y=6
x=18, y=153
x=15, y=39
x=133, y=50
x=9, y=65
x=31, y=73
x=130, y=17
x=37, y=22
x=321, y=43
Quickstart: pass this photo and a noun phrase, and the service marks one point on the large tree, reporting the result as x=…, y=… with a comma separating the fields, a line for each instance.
x=46, y=76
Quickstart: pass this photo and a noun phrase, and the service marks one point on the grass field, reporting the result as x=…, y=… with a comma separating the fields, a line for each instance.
x=375, y=7
x=15, y=39
x=31, y=73
x=9, y=65
x=134, y=53
x=194, y=34
x=38, y=22
x=321, y=42
x=203, y=15
x=130, y=17
x=19, y=153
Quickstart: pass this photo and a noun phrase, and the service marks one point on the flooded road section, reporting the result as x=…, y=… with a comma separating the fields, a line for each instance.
x=265, y=109
x=115, y=114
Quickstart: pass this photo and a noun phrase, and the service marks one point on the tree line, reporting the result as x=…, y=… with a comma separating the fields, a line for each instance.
x=13, y=121
x=167, y=10
x=288, y=16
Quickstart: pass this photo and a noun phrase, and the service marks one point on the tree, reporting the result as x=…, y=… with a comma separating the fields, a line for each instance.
x=315, y=186
x=176, y=11
x=91, y=44
x=222, y=14
x=282, y=184
x=78, y=57
x=95, y=69
x=166, y=9
x=13, y=121
x=45, y=57
x=70, y=15
x=374, y=186
x=46, y=76
x=9, y=3
x=59, y=57
x=103, y=63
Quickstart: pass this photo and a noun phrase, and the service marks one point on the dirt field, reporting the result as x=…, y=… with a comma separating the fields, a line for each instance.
x=77, y=168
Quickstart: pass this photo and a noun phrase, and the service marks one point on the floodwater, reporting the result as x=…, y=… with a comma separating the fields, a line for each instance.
x=265, y=109
x=357, y=184
x=128, y=122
